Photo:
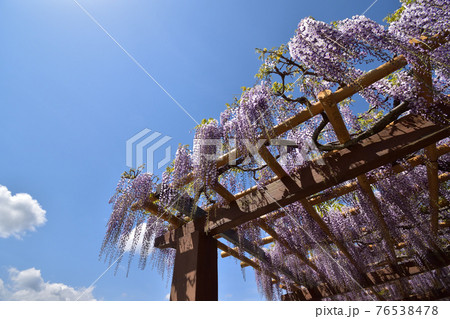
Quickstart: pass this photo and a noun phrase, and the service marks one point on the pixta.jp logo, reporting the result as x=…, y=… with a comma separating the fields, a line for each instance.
x=143, y=148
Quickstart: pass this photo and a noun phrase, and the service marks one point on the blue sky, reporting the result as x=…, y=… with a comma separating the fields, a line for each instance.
x=70, y=98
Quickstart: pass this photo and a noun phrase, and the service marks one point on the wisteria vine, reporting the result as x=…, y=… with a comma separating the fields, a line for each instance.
x=318, y=57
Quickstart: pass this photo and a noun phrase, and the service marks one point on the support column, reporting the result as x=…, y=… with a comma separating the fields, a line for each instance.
x=195, y=270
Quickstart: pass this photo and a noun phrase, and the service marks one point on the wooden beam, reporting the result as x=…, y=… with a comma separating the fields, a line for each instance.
x=345, y=189
x=247, y=261
x=166, y=216
x=409, y=134
x=272, y=162
x=264, y=241
x=225, y=193
x=398, y=168
x=354, y=211
x=332, y=111
x=267, y=240
x=224, y=254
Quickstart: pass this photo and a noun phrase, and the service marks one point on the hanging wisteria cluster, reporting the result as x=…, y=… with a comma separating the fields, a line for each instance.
x=131, y=225
x=319, y=56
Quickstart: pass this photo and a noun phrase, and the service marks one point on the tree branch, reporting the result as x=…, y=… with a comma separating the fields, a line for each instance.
x=378, y=126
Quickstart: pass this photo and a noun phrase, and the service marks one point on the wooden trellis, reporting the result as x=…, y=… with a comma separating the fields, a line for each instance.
x=196, y=241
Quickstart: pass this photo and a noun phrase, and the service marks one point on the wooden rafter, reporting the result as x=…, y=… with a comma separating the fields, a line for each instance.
x=345, y=189
x=264, y=241
x=279, y=214
x=231, y=251
x=398, y=168
x=407, y=135
x=332, y=111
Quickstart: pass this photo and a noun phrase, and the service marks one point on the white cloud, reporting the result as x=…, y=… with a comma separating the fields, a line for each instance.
x=167, y=297
x=19, y=213
x=29, y=285
x=2, y=290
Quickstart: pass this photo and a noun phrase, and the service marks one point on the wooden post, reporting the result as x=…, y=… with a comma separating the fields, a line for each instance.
x=195, y=270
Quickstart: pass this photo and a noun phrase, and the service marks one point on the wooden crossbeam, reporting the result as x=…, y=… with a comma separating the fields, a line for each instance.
x=224, y=254
x=345, y=189
x=177, y=222
x=267, y=240
x=407, y=135
x=398, y=168
x=158, y=211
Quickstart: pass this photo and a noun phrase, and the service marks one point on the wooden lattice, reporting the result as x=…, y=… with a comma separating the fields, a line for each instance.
x=311, y=185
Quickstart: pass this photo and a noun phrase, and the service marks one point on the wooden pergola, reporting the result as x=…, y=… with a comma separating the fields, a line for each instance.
x=196, y=241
